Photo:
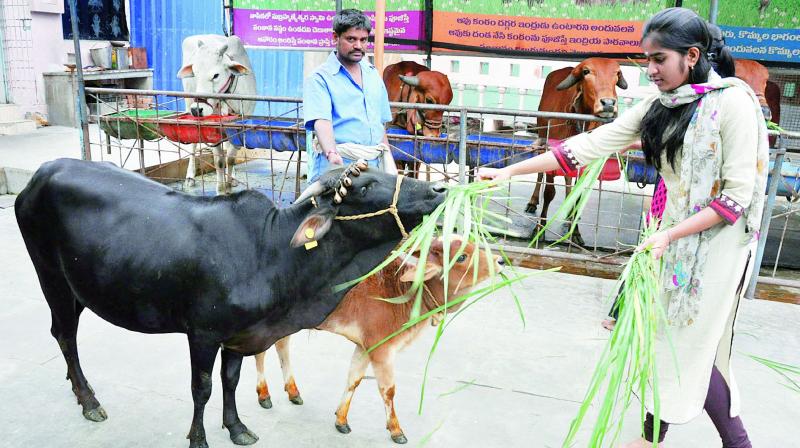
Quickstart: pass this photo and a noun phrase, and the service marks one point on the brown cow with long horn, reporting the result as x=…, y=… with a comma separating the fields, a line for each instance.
x=588, y=88
x=409, y=82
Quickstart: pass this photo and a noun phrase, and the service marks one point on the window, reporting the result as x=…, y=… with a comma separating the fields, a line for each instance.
x=515, y=70
x=455, y=66
x=546, y=71
x=484, y=68
x=789, y=89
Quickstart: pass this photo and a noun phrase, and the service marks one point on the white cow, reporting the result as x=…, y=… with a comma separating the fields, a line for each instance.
x=217, y=64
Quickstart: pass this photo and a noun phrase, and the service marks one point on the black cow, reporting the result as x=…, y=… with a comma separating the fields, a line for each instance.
x=233, y=272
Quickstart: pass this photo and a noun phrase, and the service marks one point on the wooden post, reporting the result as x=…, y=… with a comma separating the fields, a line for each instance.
x=380, y=27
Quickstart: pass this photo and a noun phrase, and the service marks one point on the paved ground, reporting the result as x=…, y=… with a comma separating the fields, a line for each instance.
x=526, y=382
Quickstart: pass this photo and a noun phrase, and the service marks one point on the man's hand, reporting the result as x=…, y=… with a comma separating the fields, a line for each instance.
x=334, y=158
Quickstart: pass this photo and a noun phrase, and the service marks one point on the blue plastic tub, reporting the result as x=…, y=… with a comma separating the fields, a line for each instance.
x=790, y=172
x=493, y=156
x=277, y=140
x=638, y=171
x=427, y=151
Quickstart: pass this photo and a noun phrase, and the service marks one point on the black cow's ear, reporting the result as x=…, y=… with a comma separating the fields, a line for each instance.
x=312, y=229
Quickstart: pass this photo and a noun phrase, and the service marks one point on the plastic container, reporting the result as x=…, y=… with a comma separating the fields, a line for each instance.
x=479, y=154
x=790, y=183
x=638, y=171
x=427, y=151
x=191, y=129
x=102, y=57
x=124, y=125
x=278, y=140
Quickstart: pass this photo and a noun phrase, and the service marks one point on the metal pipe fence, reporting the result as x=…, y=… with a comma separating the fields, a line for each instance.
x=148, y=131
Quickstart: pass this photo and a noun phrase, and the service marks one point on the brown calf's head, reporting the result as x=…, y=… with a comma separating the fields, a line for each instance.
x=470, y=266
x=596, y=80
x=429, y=87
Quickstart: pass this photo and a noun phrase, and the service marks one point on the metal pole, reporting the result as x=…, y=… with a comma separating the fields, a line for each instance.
x=338, y=6
x=713, y=10
x=766, y=218
x=380, y=28
x=462, y=147
x=81, y=100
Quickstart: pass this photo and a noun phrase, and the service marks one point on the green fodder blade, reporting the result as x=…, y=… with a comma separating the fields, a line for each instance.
x=627, y=365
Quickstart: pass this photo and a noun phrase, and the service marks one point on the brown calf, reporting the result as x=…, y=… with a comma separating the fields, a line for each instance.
x=365, y=321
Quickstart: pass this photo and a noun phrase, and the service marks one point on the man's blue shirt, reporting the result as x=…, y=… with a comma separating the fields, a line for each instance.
x=357, y=113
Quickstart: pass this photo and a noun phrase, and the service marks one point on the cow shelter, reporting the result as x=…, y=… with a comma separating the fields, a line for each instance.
x=496, y=56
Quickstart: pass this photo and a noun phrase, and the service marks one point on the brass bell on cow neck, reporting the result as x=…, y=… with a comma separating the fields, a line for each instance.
x=337, y=199
x=347, y=182
x=343, y=191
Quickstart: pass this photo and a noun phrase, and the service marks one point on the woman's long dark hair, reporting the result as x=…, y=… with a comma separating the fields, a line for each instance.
x=663, y=128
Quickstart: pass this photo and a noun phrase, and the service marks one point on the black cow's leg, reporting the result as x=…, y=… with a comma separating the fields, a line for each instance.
x=231, y=366
x=202, y=356
x=65, y=312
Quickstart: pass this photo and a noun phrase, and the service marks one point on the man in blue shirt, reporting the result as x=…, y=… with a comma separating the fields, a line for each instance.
x=345, y=101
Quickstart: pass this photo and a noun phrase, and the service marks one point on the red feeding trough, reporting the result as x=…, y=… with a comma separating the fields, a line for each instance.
x=187, y=128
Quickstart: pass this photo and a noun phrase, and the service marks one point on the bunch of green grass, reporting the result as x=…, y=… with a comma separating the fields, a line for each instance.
x=573, y=205
x=464, y=213
x=627, y=365
x=788, y=372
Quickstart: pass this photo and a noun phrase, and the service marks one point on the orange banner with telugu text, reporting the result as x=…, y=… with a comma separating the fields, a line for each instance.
x=537, y=34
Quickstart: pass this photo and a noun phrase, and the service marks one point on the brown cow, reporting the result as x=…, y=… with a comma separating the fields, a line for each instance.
x=756, y=76
x=365, y=321
x=588, y=88
x=409, y=82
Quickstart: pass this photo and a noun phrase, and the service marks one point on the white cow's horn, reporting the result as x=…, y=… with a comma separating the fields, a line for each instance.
x=410, y=80
x=314, y=189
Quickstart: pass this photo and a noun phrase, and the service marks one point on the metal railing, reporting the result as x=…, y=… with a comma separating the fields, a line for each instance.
x=611, y=222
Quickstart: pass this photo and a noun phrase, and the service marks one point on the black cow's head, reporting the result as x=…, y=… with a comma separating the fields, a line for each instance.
x=354, y=191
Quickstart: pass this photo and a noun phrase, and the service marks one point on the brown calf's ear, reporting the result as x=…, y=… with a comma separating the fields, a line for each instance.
x=313, y=228
x=409, y=269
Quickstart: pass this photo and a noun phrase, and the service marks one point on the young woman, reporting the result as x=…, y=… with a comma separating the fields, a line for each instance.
x=722, y=62
x=708, y=139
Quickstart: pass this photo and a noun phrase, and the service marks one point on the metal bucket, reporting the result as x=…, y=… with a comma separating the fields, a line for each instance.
x=122, y=58
x=101, y=57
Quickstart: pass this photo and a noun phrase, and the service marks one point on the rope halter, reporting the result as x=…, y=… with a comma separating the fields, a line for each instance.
x=391, y=209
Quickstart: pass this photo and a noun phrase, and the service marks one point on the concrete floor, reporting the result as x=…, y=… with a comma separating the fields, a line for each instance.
x=525, y=382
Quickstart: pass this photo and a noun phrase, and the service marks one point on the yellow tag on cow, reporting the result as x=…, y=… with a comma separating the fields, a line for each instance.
x=417, y=126
x=311, y=244
x=310, y=233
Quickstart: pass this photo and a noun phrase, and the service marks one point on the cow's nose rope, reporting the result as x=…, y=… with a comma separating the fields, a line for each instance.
x=391, y=209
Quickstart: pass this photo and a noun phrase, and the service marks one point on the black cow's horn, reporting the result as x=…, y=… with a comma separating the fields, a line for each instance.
x=410, y=80
x=314, y=189
x=568, y=82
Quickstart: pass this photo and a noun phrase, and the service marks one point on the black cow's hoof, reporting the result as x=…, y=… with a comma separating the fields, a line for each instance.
x=266, y=403
x=531, y=208
x=399, y=438
x=97, y=414
x=344, y=429
x=245, y=437
x=198, y=444
x=296, y=400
